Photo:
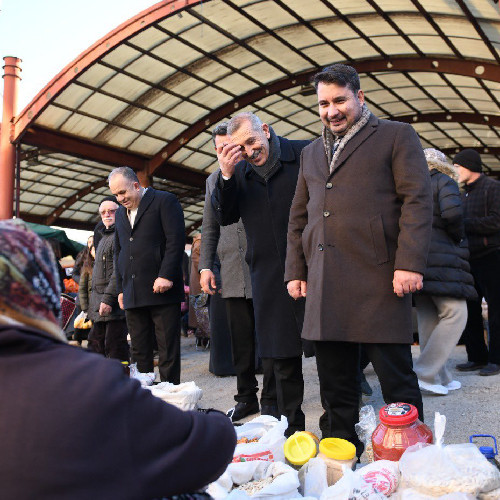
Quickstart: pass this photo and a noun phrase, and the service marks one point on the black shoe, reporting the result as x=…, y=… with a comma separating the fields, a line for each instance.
x=270, y=410
x=365, y=386
x=490, y=369
x=470, y=366
x=242, y=410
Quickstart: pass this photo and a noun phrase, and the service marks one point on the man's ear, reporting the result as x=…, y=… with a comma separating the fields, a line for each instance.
x=137, y=186
x=265, y=128
x=361, y=96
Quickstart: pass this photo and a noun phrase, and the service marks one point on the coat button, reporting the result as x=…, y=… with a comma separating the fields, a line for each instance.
x=133, y=276
x=320, y=247
x=326, y=214
x=131, y=258
x=131, y=239
x=329, y=185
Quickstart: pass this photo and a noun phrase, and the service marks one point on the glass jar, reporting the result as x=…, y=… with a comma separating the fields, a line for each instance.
x=399, y=429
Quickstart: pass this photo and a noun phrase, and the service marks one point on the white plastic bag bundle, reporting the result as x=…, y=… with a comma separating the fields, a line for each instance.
x=437, y=470
x=271, y=440
x=258, y=480
x=312, y=477
x=382, y=474
x=185, y=396
x=351, y=486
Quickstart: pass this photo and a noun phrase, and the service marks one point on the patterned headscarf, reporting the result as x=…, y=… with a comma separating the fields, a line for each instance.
x=29, y=286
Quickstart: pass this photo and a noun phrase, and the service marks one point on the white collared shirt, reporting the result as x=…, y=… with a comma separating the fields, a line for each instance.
x=131, y=214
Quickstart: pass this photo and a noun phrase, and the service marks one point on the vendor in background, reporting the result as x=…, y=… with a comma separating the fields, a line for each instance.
x=147, y=448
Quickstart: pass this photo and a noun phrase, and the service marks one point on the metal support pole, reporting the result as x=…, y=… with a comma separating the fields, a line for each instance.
x=11, y=77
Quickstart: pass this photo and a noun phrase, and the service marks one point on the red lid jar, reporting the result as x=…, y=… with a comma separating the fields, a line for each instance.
x=399, y=429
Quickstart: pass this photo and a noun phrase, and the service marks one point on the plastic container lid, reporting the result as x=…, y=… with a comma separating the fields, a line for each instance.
x=338, y=449
x=299, y=448
x=398, y=414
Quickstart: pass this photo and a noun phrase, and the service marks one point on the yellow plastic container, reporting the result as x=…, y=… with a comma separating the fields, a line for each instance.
x=300, y=447
x=336, y=452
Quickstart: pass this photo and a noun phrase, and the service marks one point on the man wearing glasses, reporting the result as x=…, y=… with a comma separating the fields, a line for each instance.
x=109, y=328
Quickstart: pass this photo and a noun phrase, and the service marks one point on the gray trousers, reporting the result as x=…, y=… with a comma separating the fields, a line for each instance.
x=441, y=321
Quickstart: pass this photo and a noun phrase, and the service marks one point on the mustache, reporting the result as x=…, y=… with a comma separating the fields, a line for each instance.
x=254, y=154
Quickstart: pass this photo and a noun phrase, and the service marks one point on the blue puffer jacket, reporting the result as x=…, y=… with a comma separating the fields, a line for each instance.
x=448, y=271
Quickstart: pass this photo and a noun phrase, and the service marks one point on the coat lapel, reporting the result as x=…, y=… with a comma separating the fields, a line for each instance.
x=144, y=204
x=355, y=142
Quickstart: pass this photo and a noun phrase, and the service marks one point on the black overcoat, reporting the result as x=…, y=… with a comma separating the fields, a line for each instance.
x=152, y=248
x=264, y=208
x=448, y=271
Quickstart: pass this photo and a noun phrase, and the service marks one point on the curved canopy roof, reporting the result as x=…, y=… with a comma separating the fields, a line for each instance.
x=148, y=94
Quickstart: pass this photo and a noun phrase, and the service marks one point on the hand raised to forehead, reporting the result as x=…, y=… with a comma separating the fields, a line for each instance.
x=228, y=155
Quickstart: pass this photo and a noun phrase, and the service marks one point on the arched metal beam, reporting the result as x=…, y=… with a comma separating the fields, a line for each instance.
x=477, y=118
x=50, y=219
x=483, y=150
x=472, y=68
x=110, y=41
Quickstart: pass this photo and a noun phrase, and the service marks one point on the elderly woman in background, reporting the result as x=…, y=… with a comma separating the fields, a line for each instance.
x=72, y=424
x=441, y=305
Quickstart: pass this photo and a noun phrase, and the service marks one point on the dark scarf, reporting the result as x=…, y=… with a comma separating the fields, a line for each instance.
x=273, y=160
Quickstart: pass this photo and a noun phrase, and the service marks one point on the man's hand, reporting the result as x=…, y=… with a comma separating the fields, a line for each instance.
x=297, y=289
x=104, y=309
x=207, y=281
x=162, y=285
x=228, y=156
x=120, y=300
x=406, y=282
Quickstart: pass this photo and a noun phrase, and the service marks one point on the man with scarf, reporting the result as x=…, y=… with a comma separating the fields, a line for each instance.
x=257, y=182
x=358, y=237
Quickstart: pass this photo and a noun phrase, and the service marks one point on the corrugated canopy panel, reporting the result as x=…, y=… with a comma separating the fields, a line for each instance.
x=149, y=94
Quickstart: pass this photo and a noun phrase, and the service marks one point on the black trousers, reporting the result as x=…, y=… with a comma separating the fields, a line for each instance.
x=486, y=272
x=109, y=338
x=165, y=321
x=338, y=371
x=240, y=318
x=289, y=390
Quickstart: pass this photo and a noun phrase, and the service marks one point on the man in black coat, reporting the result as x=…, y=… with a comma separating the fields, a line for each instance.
x=149, y=247
x=257, y=182
x=481, y=201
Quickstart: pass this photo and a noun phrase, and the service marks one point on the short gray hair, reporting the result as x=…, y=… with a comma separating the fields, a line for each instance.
x=237, y=121
x=125, y=172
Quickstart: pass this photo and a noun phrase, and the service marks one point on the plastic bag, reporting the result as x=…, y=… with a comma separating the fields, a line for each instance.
x=312, y=477
x=351, y=486
x=200, y=305
x=82, y=322
x=364, y=429
x=271, y=440
x=438, y=470
x=382, y=474
x=277, y=480
x=185, y=396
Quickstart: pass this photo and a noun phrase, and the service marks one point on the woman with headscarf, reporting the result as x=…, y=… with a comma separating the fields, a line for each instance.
x=441, y=305
x=72, y=424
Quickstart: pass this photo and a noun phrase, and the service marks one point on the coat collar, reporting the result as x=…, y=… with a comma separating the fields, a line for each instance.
x=356, y=141
x=287, y=154
x=146, y=200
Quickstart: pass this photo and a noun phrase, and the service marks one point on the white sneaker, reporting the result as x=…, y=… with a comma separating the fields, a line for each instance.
x=453, y=385
x=144, y=378
x=434, y=388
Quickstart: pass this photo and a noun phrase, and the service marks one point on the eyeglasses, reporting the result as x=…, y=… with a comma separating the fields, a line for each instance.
x=110, y=211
